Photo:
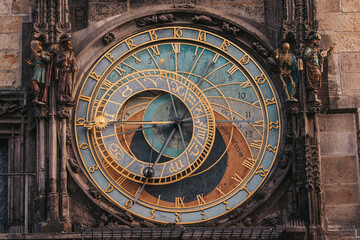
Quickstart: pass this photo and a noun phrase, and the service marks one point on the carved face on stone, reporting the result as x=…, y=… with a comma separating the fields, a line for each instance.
x=315, y=42
x=67, y=45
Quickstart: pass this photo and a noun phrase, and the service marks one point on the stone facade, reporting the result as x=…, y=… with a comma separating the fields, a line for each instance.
x=334, y=132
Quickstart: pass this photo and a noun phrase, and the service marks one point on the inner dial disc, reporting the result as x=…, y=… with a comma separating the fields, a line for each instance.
x=174, y=101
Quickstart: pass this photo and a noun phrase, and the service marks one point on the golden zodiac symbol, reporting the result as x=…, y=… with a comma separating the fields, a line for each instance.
x=201, y=124
x=80, y=121
x=127, y=91
x=177, y=88
x=116, y=152
x=177, y=167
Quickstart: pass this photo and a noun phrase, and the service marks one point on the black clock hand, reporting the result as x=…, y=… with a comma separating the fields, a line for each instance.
x=205, y=71
x=156, y=161
x=178, y=123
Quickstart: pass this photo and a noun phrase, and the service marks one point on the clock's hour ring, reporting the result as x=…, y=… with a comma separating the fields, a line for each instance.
x=203, y=121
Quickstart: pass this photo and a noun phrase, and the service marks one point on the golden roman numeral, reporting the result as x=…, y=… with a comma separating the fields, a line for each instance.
x=158, y=200
x=245, y=84
x=130, y=43
x=137, y=60
x=200, y=199
x=109, y=57
x=249, y=163
x=225, y=45
x=202, y=36
x=95, y=76
x=155, y=50
x=152, y=34
x=177, y=32
x=106, y=84
x=259, y=124
x=218, y=188
x=256, y=144
x=237, y=178
x=119, y=70
x=176, y=47
x=179, y=202
x=215, y=58
x=232, y=70
x=120, y=180
x=256, y=104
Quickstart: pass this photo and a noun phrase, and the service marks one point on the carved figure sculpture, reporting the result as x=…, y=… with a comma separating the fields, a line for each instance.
x=313, y=59
x=41, y=76
x=66, y=68
x=289, y=73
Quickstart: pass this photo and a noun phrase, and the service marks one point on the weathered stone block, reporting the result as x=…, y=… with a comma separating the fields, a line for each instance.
x=348, y=22
x=350, y=82
x=10, y=41
x=343, y=101
x=342, y=213
x=340, y=169
x=337, y=123
x=350, y=62
x=9, y=80
x=350, y=5
x=254, y=11
x=338, y=143
x=328, y=6
x=347, y=42
x=99, y=11
x=341, y=194
x=20, y=7
x=10, y=24
x=10, y=60
x=5, y=7
x=327, y=21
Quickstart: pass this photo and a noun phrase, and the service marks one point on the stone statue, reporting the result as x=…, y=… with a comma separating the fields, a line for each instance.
x=66, y=67
x=313, y=59
x=41, y=74
x=289, y=73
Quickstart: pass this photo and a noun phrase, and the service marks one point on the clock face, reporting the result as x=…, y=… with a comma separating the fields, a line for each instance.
x=177, y=125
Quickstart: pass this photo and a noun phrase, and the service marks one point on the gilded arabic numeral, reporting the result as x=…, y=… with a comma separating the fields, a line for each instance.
x=225, y=45
x=175, y=167
x=95, y=76
x=237, y=178
x=203, y=214
x=179, y=202
x=274, y=125
x=271, y=148
x=152, y=214
x=84, y=98
x=256, y=144
x=218, y=188
x=153, y=36
x=245, y=59
x=200, y=199
x=262, y=171
x=270, y=101
x=155, y=50
x=202, y=36
x=93, y=168
x=137, y=60
x=215, y=58
x=232, y=70
x=226, y=205
x=130, y=43
x=249, y=163
x=176, y=47
x=260, y=79
x=129, y=203
x=119, y=70
x=178, y=218
x=177, y=32
x=109, y=188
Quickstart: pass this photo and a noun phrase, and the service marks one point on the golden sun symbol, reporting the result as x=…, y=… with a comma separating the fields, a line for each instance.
x=101, y=122
x=162, y=60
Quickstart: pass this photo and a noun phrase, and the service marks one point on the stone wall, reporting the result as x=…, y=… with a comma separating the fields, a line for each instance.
x=339, y=21
x=12, y=15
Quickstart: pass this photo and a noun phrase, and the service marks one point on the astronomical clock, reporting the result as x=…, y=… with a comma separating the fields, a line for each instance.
x=177, y=125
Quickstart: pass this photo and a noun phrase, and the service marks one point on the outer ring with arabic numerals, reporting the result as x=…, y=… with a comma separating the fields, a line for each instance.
x=234, y=90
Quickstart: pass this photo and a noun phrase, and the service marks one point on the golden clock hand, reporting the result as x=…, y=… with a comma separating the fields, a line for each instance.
x=151, y=169
x=144, y=122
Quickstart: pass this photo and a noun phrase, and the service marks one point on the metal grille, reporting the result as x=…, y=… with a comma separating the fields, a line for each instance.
x=180, y=233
